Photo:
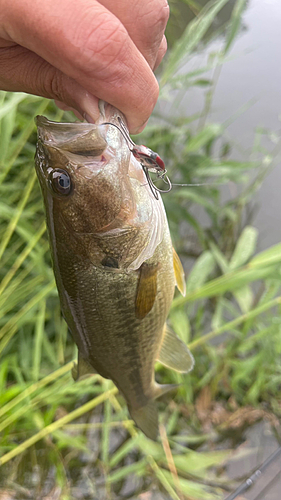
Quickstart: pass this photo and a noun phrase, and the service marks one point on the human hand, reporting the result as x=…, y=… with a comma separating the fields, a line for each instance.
x=77, y=52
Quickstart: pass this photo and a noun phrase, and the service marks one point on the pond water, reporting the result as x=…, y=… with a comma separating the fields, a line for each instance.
x=252, y=73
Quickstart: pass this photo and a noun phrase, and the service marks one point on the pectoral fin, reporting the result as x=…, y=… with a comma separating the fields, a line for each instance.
x=147, y=289
x=174, y=353
x=82, y=369
x=179, y=273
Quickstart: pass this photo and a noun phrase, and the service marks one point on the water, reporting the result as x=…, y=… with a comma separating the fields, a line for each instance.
x=254, y=72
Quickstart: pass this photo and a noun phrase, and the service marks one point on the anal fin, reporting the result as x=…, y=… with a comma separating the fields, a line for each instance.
x=174, y=353
x=179, y=273
x=161, y=389
x=82, y=369
x=147, y=290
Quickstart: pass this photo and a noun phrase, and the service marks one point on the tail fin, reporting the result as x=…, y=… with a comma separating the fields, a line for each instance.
x=146, y=417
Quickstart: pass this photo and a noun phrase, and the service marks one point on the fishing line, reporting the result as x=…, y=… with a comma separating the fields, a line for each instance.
x=123, y=132
x=188, y=185
x=160, y=174
x=196, y=185
x=255, y=476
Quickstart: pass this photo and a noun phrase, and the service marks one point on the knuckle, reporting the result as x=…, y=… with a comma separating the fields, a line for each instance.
x=163, y=47
x=155, y=95
x=152, y=25
x=52, y=84
x=150, y=100
x=163, y=13
x=157, y=17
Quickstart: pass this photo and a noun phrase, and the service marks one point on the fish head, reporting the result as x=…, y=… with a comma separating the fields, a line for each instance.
x=83, y=170
x=97, y=198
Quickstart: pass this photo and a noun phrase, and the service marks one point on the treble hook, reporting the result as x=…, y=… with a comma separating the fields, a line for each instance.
x=154, y=189
x=149, y=160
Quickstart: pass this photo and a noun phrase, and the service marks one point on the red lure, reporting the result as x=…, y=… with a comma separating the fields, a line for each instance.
x=149, y=160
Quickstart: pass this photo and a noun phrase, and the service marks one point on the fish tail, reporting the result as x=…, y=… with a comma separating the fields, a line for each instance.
x=146, y=417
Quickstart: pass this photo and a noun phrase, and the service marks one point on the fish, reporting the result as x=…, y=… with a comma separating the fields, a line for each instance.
x=113, y=259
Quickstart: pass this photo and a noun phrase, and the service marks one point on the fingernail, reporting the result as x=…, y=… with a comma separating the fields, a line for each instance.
x=77, y=114
x=89, y=105
x=139, y=129
x=88, y=118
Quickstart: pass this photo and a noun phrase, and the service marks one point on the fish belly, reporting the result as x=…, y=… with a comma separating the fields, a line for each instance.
x=99, y=307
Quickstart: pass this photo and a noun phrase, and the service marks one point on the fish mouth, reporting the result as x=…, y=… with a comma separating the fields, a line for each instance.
x=79, y=138
x=83, y=138
x=58, y=133
x=63, y=131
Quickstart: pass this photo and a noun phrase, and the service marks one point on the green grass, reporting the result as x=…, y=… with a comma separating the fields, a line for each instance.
x=62, y=435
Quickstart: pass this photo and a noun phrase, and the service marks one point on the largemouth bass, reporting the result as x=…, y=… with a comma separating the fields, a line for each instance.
x=113, y=259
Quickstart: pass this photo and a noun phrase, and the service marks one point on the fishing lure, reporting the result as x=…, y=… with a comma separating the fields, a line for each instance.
x=149, y=160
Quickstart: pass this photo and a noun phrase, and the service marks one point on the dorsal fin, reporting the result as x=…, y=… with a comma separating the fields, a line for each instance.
x=179, y=273
x=147, y=290
x=174, y=353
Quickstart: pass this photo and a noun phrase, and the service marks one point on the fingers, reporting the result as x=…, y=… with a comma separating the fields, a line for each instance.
x=161, y=52
x=91, y=47
x=64, y=107
x=22, y=70
x=145, y=23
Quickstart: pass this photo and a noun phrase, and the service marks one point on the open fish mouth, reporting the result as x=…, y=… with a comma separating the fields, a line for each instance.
x=84, y=139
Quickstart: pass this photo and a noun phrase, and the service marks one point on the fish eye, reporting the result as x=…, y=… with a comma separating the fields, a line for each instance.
x=60, y=181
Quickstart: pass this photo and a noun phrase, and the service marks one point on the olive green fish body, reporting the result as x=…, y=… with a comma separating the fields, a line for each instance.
x=99, y=306
x=113, y=259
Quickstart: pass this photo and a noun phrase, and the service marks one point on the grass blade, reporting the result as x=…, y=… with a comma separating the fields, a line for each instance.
x=56, y=425
x=236, y=322
x=193, y=34
x=11, y=227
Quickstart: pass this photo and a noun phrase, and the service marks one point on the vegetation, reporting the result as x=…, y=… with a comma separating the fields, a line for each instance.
x=61, y=439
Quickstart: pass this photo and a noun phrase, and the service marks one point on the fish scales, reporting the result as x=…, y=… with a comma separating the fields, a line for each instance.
x=132, y=341
x=112, y=257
